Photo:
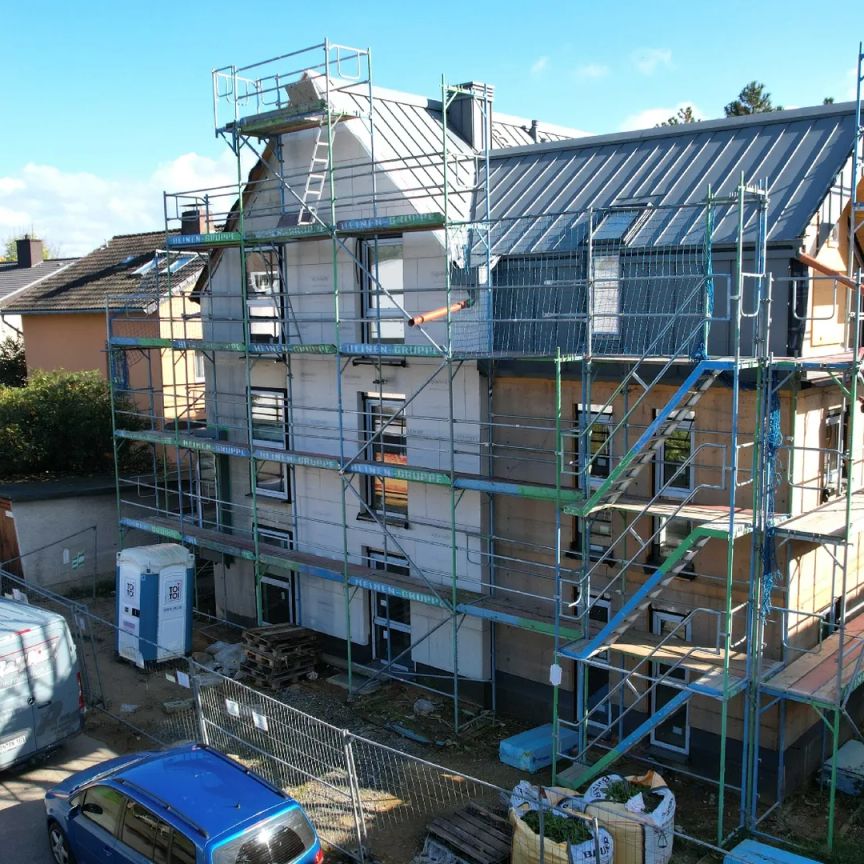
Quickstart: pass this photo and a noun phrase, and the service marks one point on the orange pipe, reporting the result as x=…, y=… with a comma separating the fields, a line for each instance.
x=810, y=261
x=435, y=314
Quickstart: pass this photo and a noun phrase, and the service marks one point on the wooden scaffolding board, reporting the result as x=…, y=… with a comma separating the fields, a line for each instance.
x=813, y=676
x=825, y=524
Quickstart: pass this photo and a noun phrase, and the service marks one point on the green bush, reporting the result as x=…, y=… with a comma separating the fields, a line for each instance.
x=58, y=423
x=13, y=366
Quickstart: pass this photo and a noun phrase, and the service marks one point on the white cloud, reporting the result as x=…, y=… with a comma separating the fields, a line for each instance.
x=539, y=66
x=592, y=70
x=10, y=184
x=652, y=116
x=648, y=60
x=77, y=211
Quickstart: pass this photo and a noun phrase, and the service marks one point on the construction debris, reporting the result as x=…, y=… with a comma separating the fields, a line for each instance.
x=279, y=655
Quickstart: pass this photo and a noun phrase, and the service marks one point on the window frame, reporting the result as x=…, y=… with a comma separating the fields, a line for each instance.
x=370, y=290
x=833, y=463
x=288, y=583
x=599, y=602
x=601, y=418
x=386, y=562
x=657, y=555
x=610, y=286
x=660, y=461
x=281, y=405
x=658, y=616
x=597, y=552
x=375, y=449
x=270, y=300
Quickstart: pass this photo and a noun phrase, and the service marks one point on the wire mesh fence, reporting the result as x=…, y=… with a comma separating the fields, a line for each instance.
x=368, y=801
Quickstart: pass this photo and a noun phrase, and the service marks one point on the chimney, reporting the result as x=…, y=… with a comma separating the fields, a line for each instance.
x=29, y=251
x=465, y=114
x=193, y=222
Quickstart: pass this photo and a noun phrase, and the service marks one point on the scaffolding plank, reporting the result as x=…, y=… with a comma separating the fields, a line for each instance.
x=289, y=119
x=825, y=524
x=210, y=240
x=813, y=676
x=715, y=513
x=280, y=234
x=703, y=661
x=535, y=491
x=263, y=348
x=390, y=224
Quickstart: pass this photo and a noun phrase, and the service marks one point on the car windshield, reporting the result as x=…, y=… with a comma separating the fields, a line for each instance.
x=279, y=840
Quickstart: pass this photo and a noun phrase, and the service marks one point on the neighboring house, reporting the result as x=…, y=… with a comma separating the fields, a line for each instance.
x=64, y=318
x=565, y=429
x=16, y=276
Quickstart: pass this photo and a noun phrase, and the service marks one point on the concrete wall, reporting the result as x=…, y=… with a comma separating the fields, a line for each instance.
x=88, y=520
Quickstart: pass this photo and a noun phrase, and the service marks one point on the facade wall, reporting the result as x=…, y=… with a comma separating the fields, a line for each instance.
x=76, y=343
x=312, y=385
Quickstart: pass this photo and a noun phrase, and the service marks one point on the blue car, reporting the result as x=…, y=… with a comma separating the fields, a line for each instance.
x=187, y=805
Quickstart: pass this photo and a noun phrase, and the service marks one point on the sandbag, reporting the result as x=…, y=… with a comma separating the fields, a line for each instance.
x=641, y=836
x=562, y=802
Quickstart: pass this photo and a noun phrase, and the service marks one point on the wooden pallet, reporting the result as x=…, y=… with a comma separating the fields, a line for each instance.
x=274, y=682
x=273, y=660
x=475, y=834
x=278, y=655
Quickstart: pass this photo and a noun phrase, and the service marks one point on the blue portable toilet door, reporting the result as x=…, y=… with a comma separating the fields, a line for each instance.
x=173, y=612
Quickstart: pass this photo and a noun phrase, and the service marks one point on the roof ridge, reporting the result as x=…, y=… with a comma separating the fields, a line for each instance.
x=138, y=234
x=766, y=118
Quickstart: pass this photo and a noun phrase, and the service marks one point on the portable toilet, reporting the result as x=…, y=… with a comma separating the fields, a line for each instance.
x=154, y=602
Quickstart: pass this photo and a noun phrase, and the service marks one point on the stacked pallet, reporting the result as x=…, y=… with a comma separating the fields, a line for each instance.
x=279, y=654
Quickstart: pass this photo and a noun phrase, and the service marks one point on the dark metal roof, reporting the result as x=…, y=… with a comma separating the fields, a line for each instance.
x=105, y=275
x=14, y=278
x=799, y=153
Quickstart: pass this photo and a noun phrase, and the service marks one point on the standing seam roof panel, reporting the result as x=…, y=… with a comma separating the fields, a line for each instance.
x=798, y=153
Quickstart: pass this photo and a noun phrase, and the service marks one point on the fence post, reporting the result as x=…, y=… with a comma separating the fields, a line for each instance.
x=354, y=787
x=541, y=810
x=199, y=708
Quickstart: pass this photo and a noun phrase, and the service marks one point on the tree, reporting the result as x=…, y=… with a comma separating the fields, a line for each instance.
x=13, y=367
x=59, y=423
x=684, y=115
x=828, y=100
x=753, y=99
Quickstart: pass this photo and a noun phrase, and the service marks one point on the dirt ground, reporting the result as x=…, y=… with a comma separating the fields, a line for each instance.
x=135, y=697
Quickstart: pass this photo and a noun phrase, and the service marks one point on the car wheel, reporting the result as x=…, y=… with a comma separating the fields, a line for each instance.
x=60, y=850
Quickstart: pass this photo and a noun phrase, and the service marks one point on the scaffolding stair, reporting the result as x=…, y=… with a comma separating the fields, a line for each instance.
x=641, y=599
x=316, y=179
x=580, y=773
x=643, y=451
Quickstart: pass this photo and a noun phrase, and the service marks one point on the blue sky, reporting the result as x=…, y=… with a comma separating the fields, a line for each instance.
x=107, y=103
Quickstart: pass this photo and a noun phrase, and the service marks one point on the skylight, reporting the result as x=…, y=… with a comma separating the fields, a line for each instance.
x=165, y=264
x=619, y=224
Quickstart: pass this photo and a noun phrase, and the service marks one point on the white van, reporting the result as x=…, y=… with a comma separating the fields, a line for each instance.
x=41, y=700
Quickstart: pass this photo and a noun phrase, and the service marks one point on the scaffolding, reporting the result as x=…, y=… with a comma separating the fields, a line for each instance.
x=338, y=386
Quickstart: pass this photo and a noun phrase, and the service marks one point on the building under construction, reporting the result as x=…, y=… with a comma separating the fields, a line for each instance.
x=566, y=428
